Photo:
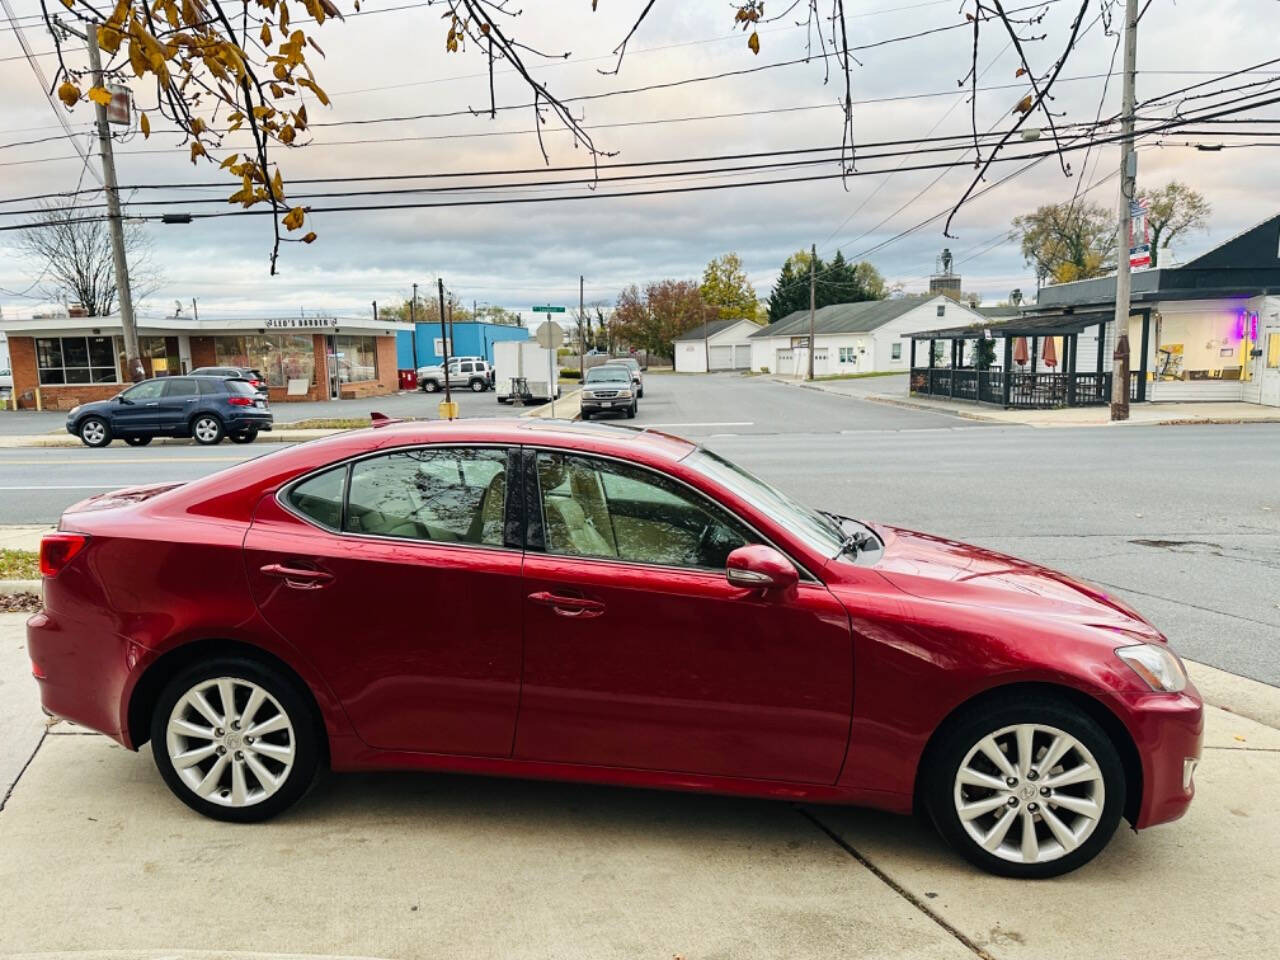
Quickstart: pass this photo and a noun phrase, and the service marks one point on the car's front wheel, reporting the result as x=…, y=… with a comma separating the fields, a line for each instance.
x=235, y=740
x=95, y=432
x=1029, y=787
x=244, y=436
x=207, y=429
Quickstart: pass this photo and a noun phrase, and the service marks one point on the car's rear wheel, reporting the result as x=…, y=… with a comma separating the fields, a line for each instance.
x=95, y=432
x=207, y=429
x=235, y=740
x=479, y=385
x=1028, y=787
x=244, y=436
x=137, y=441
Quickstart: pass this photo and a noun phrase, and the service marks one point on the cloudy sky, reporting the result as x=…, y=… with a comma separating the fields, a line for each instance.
x=393, y=63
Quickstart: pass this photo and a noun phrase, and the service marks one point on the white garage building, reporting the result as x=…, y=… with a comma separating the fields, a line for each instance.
x=720, y=345
x=864, y=337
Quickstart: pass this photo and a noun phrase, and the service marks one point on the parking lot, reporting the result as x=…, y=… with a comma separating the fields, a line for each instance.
x=97, y=852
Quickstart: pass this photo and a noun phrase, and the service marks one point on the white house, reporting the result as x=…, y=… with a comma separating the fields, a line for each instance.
x=853, y=337
x=720, y=345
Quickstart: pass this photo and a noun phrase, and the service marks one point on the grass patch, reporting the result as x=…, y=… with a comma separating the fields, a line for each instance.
x=332, y=423
x=861, y=376
x=19, y=565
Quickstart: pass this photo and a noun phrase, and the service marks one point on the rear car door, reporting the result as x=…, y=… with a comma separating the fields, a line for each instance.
x=398, y=576
x=177, y=404
x=640, y=654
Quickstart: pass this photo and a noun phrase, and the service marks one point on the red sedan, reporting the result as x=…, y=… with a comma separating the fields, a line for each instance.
x=597, y=603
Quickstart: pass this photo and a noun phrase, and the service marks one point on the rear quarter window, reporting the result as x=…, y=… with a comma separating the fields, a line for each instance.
x=320, y=497
x=242, y=387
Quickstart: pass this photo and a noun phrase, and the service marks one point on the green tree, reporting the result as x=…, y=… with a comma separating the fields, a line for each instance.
x=837, y=282
x=1173, y=210
x=870, y=280
x=725, y=286
x=427, y=310
x=1067, y=241
x=984, y=353
x=493, y=314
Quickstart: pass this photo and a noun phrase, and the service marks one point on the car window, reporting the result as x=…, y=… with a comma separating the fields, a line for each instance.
x=147, y=390
x=243, y=387
x=448, y=495
x=209, y=388
x=180, y=387
x=599, y=508
x=320, y=497
x=467, y=367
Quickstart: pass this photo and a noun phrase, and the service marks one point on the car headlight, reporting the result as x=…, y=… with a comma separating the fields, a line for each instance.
x=624, y=393
x=73, y=411
x=1157, y=665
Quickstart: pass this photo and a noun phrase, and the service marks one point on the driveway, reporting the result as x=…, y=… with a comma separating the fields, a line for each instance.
x=98, y=855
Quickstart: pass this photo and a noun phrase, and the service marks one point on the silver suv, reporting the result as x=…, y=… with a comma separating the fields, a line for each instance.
x=463, y=372
x=637, y=377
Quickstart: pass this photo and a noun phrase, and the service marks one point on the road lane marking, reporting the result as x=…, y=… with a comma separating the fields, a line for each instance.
x=114, y=485
x=708, y=423
x=121, y=462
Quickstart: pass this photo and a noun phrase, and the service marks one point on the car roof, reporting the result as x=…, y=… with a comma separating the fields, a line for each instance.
x=598, y=437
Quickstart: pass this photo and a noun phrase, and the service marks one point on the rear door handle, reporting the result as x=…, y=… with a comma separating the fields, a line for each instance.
x=298, y=578
x=579, y=607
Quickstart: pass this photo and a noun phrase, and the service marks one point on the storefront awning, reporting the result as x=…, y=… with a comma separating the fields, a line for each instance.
x=1040, y=325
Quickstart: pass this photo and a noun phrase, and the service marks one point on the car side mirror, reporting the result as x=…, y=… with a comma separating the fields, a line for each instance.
x=760, y=567
x=121, y=398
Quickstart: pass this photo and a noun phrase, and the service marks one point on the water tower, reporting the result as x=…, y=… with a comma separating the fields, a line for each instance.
x=944, y=281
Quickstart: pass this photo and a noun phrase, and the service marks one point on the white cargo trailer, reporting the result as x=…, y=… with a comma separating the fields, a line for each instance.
x=525, y=372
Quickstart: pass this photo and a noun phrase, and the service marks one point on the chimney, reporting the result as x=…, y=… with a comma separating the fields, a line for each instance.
x=77, y=310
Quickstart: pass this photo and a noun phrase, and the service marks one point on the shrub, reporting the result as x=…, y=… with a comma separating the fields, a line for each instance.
x=568, y=373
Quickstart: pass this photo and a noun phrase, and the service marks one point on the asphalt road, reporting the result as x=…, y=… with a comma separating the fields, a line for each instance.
x=1183, y=521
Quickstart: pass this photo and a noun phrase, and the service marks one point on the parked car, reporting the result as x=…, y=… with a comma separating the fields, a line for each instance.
x=653, y=616
x=637, y=375
x=253, y=376
x=206, y=408
x=6, y=381
x=469, y=372
x=608, y=389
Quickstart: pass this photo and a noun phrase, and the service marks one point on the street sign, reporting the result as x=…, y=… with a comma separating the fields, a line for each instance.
x=550, y=335
x=548, y=309
x=118, y=109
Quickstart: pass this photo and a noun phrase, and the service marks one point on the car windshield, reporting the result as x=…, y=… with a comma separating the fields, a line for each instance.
x=608, y=374
x=813, y=528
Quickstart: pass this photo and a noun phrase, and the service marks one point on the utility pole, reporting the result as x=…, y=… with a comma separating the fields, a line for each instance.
x=444, y=340
x=413, y=320
x=115, y=223
x=813, y=299
x=582, y=343
x=1128, y=178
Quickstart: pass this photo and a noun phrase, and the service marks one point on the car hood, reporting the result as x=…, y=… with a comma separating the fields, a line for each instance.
x=935, y=568
x=95, y=406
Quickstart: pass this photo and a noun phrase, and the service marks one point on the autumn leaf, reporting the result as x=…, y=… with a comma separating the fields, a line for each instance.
x=69, y=93
x=229, y=162
x=287, y=134
x=293, y=219
x=310, y=237
x=145, y=125
x=99, y=95
x=754, y=43
x=68, y=3
x=1020, y=71
x=109, y=39
x=266, y=34
x=1024, y=105
x=277, y=186
x=197, y=150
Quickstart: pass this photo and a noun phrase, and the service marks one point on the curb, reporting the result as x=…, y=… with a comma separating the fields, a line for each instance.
x=9, y=588
x=571, y=401
x=1242, y=696
x=48, y=440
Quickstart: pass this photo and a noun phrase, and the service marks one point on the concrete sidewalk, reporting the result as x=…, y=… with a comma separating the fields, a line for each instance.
x=98, y=854
x=1140, y=414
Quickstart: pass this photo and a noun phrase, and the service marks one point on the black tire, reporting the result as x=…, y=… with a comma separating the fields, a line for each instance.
x=631, y=410
x=479, y=385
x=137, y=441
x=430, y=386
x=306, y=732
x=967, y=730
x=94, y=432
x=587, y=415
x=207, y=430
x=640, y=394
x=244, y=436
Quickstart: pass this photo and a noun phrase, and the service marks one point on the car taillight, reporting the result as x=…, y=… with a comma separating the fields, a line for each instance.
x=57, y=550
x=240, y=401
x=255, y=383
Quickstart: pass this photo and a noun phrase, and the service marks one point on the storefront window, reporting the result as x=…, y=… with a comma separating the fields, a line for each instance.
x=357, y=359
x=1197, y=346
x=155, y=357
x=68, y=360
x=278, y=358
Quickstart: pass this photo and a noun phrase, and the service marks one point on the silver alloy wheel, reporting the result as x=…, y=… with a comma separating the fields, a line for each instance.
x=94, y=431
x=230, y=741
x=206, y=429
x=1035, y=776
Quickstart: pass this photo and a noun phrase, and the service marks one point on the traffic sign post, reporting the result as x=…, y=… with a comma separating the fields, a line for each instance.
x=549, y=336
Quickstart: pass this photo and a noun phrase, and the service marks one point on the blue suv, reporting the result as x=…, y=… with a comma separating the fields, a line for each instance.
x=204, y=408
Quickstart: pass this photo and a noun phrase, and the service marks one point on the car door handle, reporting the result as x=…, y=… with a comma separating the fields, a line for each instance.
x=579, y=607
x=298, y=578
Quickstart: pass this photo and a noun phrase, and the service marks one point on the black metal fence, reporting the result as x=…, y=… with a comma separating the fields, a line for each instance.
x=1030, y=391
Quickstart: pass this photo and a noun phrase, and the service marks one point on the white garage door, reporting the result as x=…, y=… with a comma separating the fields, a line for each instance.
x=722, y=358
x=784, y=361
x=742, y=356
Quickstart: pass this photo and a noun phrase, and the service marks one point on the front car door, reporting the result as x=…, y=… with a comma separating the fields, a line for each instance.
x=398, y=576
x=138, y=409
x=640, y=654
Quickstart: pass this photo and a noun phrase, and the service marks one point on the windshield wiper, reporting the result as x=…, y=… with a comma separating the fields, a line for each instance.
x=863, y=539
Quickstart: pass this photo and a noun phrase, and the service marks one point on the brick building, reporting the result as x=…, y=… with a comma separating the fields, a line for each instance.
x=63, y=361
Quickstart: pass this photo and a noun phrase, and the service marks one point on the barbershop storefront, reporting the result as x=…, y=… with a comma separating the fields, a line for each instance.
x=60, y=362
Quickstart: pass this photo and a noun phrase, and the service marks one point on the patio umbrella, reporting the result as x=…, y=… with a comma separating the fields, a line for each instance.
x=1020, y=354
x=1050, y=353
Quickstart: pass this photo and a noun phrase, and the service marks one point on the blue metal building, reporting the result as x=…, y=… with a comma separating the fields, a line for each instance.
x=474, y=339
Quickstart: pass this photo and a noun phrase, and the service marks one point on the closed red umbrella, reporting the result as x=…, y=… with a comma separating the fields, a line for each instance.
x=1020, y=354
x=1050, y=353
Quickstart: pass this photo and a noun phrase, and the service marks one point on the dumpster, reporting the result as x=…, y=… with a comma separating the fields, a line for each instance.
x=408, y=380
